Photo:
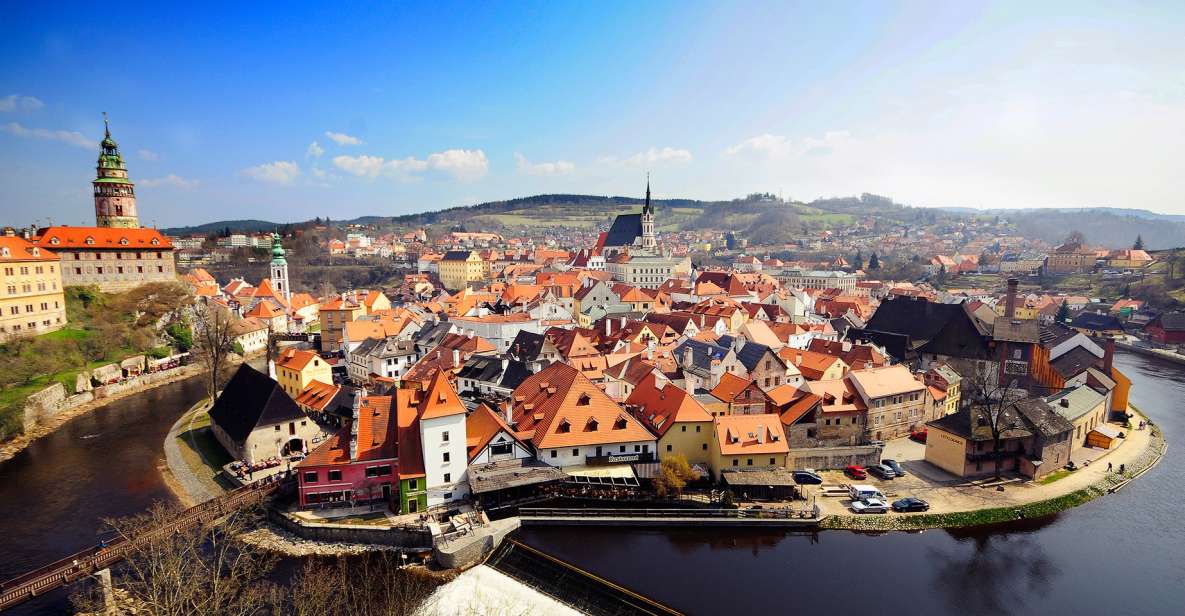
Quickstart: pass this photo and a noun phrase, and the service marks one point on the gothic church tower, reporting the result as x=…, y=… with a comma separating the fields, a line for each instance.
x=649, y=242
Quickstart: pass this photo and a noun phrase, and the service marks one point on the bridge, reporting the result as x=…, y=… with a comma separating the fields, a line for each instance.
x=571, y=585
x=85, y=563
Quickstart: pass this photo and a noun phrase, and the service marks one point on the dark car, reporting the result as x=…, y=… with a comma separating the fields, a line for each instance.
x=896, y=467
x=807, y=478
x=855, y=471
x=910, y=503
x=882, y=471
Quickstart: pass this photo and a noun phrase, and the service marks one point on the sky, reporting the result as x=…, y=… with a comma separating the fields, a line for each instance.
x=287, y=111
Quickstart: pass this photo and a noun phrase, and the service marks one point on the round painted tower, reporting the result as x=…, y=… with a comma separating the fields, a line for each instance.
x=115, y=195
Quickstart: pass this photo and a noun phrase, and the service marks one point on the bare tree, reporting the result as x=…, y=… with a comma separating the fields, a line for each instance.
x=199, y=570
x=213, y=342
x=332, y=588
x=991, y=400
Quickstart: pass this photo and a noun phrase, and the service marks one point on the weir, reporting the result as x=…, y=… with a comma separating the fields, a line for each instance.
x=580, y=589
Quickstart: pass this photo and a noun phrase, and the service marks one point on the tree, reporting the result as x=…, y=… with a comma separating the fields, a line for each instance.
x=673, y=475
x=1063, y=312
x=992, y=404
x=200, y=570
x=874, y=262
x=333, y=588
x=941, y=279
x=1075, y=238
x=213, y=341
x=858, y=260
x=1139, y=245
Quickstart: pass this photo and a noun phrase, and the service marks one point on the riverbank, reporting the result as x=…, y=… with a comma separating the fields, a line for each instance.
x=13, y=446
x=1071, y=493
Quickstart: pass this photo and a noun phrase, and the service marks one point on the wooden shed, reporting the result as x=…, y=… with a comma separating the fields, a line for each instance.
x=1103, y=436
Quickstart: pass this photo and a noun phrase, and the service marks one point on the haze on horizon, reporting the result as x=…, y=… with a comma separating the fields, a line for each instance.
x=244, y=111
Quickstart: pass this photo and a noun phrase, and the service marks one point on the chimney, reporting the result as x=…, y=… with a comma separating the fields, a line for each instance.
x=456, y=357
x=271, y=368
x=608, y=327
x=1065, y=402
x=505, y=364
x=688, y=355
x=509, y=415
x=1108, y=356
x=760, y=434
x=798, y=359
x=1010, y=299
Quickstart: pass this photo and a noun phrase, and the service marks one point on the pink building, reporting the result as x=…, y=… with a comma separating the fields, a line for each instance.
x=358, y=464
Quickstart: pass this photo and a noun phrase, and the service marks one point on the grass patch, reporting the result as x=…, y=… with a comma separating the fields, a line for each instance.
x=1054, y=476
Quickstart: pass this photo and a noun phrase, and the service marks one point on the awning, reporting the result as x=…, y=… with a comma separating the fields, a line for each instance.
x=607, y=474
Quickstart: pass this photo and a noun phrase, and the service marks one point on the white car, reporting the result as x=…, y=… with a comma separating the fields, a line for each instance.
x=870, y=505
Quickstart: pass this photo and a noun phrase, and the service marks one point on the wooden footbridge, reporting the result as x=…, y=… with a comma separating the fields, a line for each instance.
x=85, y=563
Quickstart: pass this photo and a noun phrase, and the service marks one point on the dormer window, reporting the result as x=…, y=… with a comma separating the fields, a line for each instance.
x=4, y=252
x=592, y=424
x=36, y=252
x=619, y=424
x=564, y=427
x=89, y=241
x=583, y=400
x=55, y=241
x=155, y=241
x=123, y=241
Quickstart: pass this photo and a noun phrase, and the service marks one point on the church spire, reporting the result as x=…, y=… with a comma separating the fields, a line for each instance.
x=649, y=241
x=646, y=209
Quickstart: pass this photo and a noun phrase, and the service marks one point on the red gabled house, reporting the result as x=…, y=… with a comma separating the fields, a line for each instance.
x=358, y=464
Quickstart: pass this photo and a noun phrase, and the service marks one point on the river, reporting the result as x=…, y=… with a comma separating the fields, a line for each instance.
x=1120, y=554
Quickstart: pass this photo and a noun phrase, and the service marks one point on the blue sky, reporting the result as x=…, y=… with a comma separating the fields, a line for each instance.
x=285, y=112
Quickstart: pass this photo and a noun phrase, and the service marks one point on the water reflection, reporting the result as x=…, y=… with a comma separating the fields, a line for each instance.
x=998, y=571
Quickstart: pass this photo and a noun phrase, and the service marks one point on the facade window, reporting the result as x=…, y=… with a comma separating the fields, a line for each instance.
x=445, y=457
x=684, y=428
x=668, y=447
x=553, y=453
x=736, y=462
x=310, y=477
x=413, y=484
x=704, y=446
x=444, y=437
x=749, y=462
x=448, y=477
x=335, y=475
x=576, y=452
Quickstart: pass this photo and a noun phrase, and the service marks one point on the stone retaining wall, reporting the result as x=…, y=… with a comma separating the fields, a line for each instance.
x=410, y=538
x=822, y=458
x=48, y=402
x=470, y=549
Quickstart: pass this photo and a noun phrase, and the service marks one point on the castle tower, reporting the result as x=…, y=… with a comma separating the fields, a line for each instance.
x=280, y=269
x=115, y=195
x=649, y=242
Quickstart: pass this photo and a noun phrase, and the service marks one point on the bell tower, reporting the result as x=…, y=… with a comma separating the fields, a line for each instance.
x=280, y=269
x=115, y=195
x=649, y=242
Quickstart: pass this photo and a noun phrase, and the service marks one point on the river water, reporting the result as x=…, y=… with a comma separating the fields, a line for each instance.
x=1121, y=554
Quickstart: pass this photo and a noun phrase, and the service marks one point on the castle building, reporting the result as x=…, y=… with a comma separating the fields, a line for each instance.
x=117, y=254
x=280, y=269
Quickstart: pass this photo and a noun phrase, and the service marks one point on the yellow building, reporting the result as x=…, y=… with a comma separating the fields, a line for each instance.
x=31, y=300
x=683, y=426
x=748, y=441
x=295, y=369
x=335, y=313
x=460, y=268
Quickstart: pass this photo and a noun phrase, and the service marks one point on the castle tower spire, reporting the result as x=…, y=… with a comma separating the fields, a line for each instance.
x=115, y=194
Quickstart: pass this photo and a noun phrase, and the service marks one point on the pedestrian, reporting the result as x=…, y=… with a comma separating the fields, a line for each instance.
x=1108, y=467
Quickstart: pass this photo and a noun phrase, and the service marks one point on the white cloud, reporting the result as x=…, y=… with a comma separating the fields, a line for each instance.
x=559, y=167
x=65, y=136
x=361, y=166
x=653, y=156
x=148, y=154
x=464, y=165
x=314, y=151
x=278, y=172
x=777, y=146
x=342, y=138
x=14, y=102
x=172, y=179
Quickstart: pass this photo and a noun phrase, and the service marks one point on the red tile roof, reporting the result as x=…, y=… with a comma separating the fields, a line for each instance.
x=562, y=408
x=102, y=237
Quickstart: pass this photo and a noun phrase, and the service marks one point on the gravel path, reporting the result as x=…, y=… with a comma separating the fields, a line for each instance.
x=195, y=490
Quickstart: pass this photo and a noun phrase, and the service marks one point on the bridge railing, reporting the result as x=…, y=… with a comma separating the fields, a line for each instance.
x=575, y=512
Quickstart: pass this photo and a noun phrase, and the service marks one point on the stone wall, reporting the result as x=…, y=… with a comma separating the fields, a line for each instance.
x=44, y=404
x=412, y=538
x=470, y=549
x=47, y=403
x=821, y=458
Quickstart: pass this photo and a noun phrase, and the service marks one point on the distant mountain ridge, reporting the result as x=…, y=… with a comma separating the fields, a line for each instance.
x=765, y=219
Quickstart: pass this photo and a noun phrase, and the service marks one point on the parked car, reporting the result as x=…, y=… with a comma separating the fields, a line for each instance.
x=807, y=478
x=882, y=471
x=871, y=505
x=877, y=443
x=919, y=435
x=910, y=503
x=896, y=467
x=855, y=471
x=861, y=492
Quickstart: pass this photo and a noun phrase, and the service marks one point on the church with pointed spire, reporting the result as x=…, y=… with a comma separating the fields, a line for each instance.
x=115, y=194
x=631, y=250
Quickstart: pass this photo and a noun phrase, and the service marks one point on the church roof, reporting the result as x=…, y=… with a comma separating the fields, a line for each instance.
x=626, y=228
